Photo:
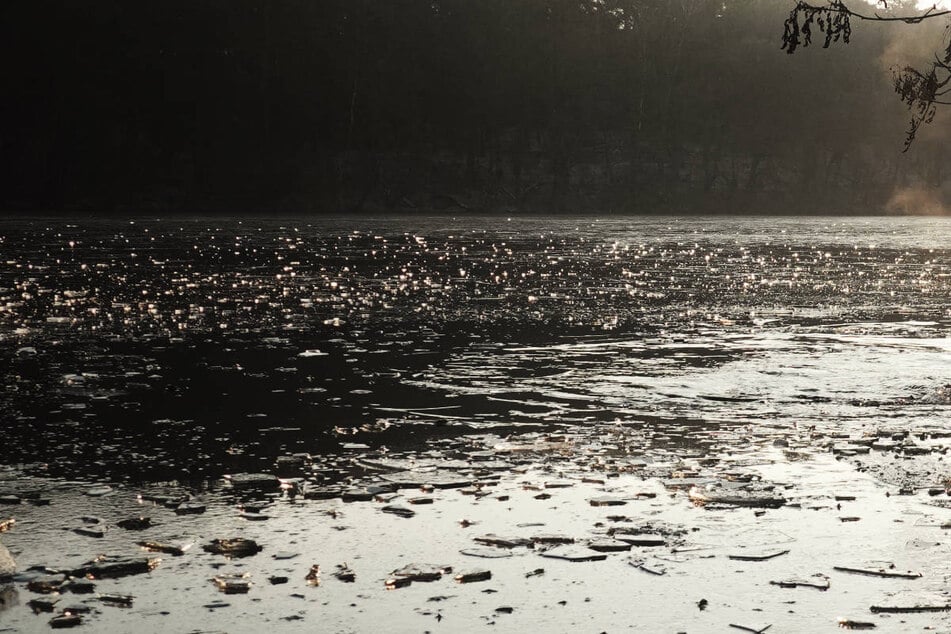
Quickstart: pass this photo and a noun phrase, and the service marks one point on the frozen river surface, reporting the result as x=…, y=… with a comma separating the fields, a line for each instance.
x=800, y=358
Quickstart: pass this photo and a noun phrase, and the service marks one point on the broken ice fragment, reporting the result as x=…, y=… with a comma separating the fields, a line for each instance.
x=235, y=547
x=233, y=583
x=473, y=576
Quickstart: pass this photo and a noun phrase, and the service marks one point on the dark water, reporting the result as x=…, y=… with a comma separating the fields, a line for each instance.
x=188, y=348
x=543, y=364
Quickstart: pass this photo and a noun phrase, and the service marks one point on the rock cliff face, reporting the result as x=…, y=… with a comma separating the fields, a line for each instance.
x=7, y=565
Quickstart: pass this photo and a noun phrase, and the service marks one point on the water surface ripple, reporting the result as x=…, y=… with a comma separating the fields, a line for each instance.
x=185, y=348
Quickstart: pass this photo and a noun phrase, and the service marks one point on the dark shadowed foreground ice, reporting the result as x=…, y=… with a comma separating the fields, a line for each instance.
x=729, y=421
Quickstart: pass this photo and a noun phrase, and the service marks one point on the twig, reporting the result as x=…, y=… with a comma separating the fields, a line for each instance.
x=907, y=19
x=878, y=573
x=803, y=584
x=750, y=629
x=877, y=609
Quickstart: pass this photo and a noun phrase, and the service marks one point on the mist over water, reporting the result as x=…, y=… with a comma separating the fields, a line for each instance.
x=190, y=348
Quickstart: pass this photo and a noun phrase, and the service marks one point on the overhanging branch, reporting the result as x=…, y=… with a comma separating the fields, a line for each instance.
x=920, y=90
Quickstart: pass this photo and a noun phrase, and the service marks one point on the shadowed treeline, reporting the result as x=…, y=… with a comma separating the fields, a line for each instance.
x=536, y=105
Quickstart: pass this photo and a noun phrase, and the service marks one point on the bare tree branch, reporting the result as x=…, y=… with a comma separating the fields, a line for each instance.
x=920, y=90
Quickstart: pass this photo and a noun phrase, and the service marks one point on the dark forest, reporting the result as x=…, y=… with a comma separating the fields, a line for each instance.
x=343, y=106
